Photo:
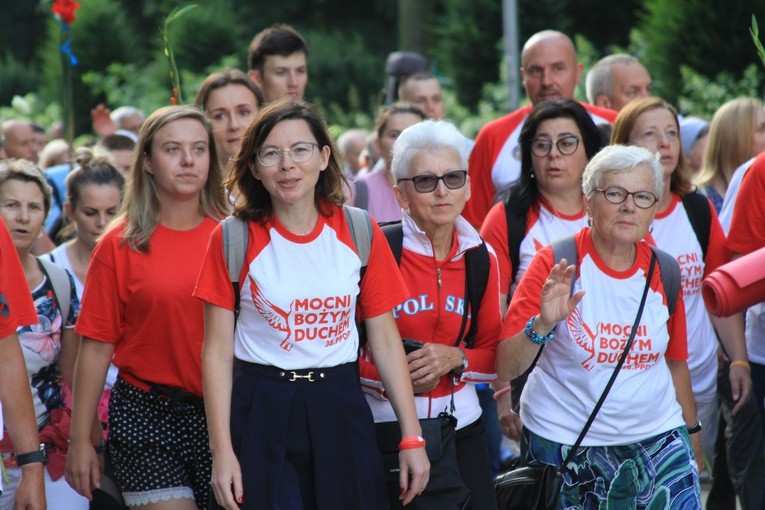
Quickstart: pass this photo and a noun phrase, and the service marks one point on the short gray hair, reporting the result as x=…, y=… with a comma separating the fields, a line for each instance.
x=124, y=112
x=600, y=79
x=428, y=135
x=621, y=159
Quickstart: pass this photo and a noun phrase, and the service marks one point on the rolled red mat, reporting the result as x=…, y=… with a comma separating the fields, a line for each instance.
x=735, y=286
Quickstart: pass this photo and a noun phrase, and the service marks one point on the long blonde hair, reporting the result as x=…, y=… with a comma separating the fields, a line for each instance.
x=730, y=140
x=140, y=209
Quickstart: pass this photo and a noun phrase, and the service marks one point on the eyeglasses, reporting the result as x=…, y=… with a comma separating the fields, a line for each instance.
x=299, y=152
x=617, y=195
x=427, y=183
x=567, y=145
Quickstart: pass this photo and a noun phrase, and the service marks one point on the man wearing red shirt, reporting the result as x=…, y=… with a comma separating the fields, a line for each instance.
x=549, y=69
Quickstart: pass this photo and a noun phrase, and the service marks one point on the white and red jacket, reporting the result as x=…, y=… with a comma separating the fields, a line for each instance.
x=495, y=161
x=433, y=313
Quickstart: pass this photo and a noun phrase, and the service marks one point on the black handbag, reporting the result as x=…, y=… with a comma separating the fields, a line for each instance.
x=445, y=490
x=538, y=487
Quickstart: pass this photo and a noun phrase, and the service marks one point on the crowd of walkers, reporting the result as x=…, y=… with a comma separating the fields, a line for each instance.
x=220, y=306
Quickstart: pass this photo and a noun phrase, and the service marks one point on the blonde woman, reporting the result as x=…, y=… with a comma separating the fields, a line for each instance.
x=139, y=309
x=736, y=134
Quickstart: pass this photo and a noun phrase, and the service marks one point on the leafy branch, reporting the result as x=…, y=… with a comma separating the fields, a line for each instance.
x=754, y=31
x=175, y=78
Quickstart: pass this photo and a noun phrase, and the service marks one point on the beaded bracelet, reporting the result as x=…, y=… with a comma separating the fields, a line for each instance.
x=501, y=392
x=536, y=337
x=741, y=363
x=411, y=442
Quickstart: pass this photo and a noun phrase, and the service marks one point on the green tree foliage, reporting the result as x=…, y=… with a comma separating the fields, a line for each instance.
x=702, y=96
x=709, y=36
x=468, y=47
x=101, y=35
x=16, y=78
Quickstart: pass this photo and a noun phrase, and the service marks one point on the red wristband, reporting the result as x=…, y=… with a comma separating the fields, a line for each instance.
x=411, y=442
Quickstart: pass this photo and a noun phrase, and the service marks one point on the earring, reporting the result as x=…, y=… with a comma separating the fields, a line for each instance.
x=650, y=228
x=589, y=221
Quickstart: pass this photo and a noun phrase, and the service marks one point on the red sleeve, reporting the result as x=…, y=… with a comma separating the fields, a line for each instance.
x=718, y=252
x=747, y=228
x=16, y=306
x=214, y=283
x=494, y=232
x=482, y=189
x=103, y=306
x=526, y=298
x=382, y=287
x=677, y=348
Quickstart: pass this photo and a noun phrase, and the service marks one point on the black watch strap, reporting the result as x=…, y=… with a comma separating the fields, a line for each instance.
x=35, y=456
x=695, y=428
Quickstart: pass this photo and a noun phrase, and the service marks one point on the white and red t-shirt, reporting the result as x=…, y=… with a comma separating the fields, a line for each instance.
x=495, y=161
x=433, y=314
x=299, y=293
x=16, y=306
x=543, y=226
x=673, y=233
x=142, y=303
x=747, y=234
x=576, y=364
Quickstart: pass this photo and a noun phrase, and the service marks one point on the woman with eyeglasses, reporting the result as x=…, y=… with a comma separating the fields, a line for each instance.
x=289, y=426
x=557, y=140
x=686, y=226
x=429, y=165
x=637, y=452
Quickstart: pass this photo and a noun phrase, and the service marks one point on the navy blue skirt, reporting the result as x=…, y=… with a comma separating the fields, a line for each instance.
x=305, y=439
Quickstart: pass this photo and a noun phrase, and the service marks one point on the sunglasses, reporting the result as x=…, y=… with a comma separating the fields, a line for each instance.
x=427, y=183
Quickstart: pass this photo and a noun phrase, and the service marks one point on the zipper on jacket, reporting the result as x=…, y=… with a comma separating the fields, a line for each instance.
x=438, y=277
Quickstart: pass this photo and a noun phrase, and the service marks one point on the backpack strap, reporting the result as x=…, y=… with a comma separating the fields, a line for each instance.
x=476, y=280
x=697, y=208
x=361, y=194
x=62, y=287
x=394, y=234
x=516, y=231
x=360, y=225
x=670, y=277
x=235, y=241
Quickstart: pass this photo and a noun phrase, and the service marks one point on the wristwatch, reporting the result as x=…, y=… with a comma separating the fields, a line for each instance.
x=695, y=428
x=464, y=364
x=35, y=456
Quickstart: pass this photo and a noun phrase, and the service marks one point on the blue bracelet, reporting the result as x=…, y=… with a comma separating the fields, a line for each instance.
x=536, y=337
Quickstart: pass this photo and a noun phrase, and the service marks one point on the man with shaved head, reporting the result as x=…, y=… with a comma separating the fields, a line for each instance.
x=549, y=69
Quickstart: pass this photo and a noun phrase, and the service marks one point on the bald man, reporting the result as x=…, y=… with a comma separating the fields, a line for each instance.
x=549, y=69
x=19, y=140
x=616, y=80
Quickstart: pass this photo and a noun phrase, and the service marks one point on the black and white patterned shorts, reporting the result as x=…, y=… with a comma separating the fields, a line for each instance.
x=160, y=449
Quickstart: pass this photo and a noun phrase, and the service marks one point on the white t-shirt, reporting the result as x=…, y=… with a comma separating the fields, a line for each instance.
x=575, y=366
x=673, y=233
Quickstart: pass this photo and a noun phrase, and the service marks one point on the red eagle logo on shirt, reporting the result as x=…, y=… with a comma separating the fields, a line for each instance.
x=582, y=335
x=275, y=316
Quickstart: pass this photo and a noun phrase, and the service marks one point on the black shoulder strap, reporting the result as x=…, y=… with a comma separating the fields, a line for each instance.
x=697, y=207
x=476, y=279
x=516, y=231
x=670, y=276
x=394, y=234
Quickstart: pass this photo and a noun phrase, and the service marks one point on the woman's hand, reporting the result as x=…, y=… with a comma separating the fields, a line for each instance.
x=227, y=481
x=83, y=469
x=414, y=474
x=429, y=363
x=698, y=452
x=556, y=299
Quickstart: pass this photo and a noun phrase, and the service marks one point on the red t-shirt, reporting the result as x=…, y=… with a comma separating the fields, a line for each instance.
x=142, y=302
x=747, y=228
x=16, y=307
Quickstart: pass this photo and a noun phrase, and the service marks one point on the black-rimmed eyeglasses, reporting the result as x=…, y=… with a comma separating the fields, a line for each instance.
x=617, y=195
x=567, y=145
x=427, y=183
x=299, y=152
